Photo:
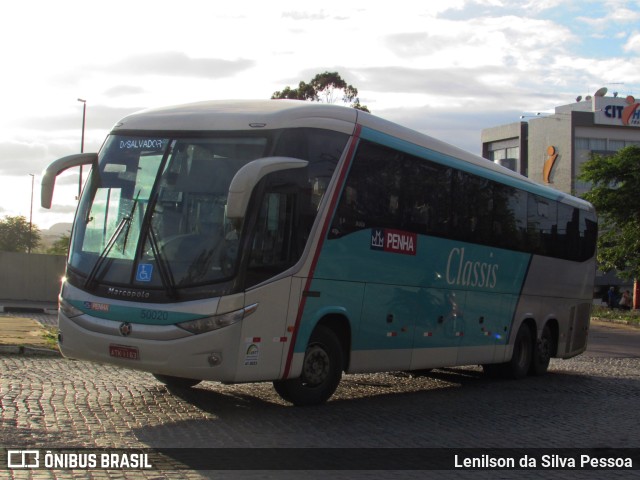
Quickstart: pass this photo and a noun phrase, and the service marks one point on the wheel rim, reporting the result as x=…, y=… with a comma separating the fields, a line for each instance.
x=523, y=353
x=316, y=366
x=544, y=348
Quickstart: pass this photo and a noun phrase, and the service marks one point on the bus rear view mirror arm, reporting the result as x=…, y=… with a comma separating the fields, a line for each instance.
x=59, y=166
x=245, y=180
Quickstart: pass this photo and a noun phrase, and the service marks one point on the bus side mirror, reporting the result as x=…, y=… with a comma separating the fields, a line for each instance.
x=245, y=180
x=56, y=168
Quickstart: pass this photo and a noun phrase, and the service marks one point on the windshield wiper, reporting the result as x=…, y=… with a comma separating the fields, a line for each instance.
x=147, y=233
x=166, y=275
x=130, y=220
x=125, y=222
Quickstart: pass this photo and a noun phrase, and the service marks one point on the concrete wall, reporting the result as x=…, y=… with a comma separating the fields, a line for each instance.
x=552, y=131
x=506, y=136
x=32, y=277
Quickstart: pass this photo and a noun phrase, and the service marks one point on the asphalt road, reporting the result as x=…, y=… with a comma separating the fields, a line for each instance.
x=613, y=340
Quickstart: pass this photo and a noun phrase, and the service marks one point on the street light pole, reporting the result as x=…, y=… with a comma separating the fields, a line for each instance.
x=31, y=215
x=84, y=116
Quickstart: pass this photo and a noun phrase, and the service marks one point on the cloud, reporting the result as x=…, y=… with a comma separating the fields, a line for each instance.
x=633, y=43
x=414, y=80
x=442, y=82
x=538, y=6
x=179, y=64
x=18, y=157
x=613, y=17
x=98, y=117
x=123, y=90
x=65, y=209
x=321, y=15
x=458, y=127
x=417, y=43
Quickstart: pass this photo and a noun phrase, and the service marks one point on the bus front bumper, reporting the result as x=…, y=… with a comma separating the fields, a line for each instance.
x=207, y=356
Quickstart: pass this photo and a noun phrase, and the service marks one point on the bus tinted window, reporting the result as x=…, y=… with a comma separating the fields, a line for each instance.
x=509, y=217
x=391, y=189
x=472, y=208
x=542, y=225
x=428, y=187
x=371, y=196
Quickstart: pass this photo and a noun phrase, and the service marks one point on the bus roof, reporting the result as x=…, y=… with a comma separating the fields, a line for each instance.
x=275, y=114
x=242, y=115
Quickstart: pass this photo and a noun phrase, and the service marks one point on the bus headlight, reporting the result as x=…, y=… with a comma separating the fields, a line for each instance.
x=208, y=324
x=69, y=310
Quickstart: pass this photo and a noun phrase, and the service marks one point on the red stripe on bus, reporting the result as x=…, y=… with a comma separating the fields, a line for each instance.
x=316, y=255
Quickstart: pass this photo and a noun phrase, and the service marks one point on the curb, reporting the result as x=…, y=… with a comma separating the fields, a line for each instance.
x=14, y=309
x=26, y=350
x=616, y=321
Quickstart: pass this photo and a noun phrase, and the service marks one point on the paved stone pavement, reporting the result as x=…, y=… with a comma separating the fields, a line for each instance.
x=585, y=402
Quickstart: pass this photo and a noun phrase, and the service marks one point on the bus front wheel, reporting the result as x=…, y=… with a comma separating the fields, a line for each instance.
x=321, y=371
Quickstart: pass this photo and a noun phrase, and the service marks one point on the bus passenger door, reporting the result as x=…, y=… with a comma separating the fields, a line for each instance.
x=384, y=339
x=277, y=242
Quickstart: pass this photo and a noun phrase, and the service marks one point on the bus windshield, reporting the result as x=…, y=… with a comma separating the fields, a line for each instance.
x=152, y=215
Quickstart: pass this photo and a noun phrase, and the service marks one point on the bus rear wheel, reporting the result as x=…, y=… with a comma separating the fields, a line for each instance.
x=176, y=382
x=544, y=349
x=520, y=363
x=321, y=371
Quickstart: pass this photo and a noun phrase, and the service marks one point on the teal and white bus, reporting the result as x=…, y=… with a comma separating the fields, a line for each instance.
x=291, y=242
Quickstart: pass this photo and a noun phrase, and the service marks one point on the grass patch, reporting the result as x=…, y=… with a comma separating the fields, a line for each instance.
x=50, y=335
x=628, y=316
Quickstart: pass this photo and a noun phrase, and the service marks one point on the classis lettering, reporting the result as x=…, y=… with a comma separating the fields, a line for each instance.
x=469, y=273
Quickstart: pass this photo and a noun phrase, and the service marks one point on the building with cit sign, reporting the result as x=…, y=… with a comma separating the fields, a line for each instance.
x=550, y=149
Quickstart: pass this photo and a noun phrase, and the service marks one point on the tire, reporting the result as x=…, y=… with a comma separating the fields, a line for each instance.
x=544, y=349
x=176, y=382
x=520, y=363
x=321, y=371
x=494, y=370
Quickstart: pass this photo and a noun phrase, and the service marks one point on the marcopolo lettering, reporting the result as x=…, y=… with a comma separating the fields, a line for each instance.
x=394, y=241
x=470, y=273
x=119, y=292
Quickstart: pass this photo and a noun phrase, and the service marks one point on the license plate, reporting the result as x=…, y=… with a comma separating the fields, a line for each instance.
x=122, y=351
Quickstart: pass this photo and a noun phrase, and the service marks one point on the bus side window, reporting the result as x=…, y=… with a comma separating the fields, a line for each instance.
x=509, y=217
x=427, y=187
x=567, y=244
x=588, y=235
x=542, y=225
x=373, y=194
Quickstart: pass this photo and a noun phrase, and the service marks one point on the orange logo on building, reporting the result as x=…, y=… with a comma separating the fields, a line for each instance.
x=548, y=164
x=628, y=111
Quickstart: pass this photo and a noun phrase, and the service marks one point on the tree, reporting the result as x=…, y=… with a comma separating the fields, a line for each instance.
x=60, y=246
x=325, y=87
x=17, y=236
x=615, y=193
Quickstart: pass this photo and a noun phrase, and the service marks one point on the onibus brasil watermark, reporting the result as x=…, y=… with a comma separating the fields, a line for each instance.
x=35, y=458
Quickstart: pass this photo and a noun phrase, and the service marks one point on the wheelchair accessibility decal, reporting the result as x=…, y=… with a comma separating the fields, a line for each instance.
x=144, y=273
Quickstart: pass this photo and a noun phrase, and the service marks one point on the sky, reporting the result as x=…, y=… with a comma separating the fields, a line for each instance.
x=447, y=69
